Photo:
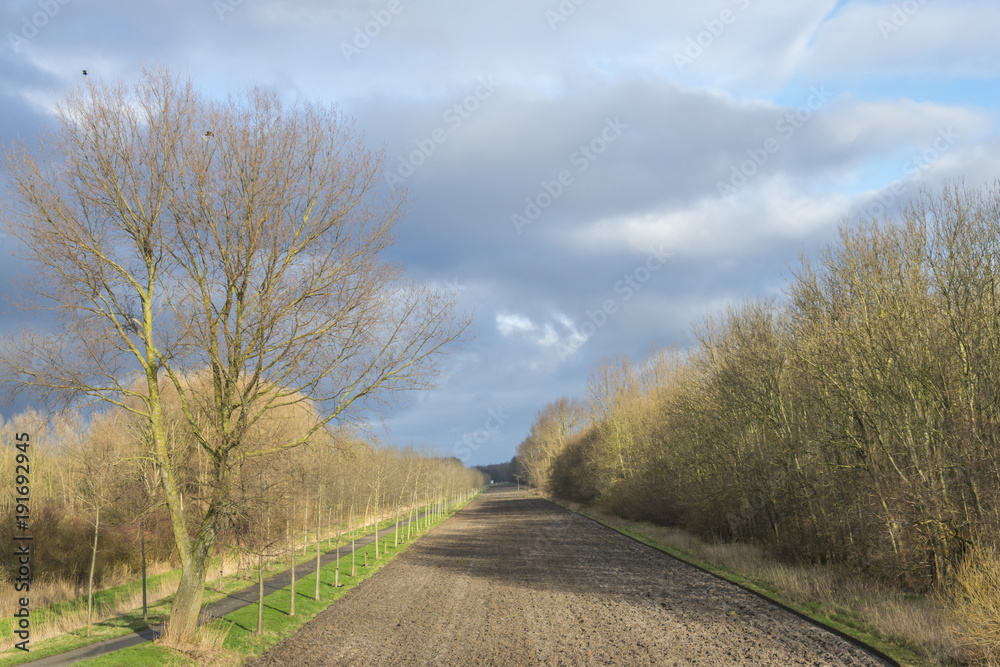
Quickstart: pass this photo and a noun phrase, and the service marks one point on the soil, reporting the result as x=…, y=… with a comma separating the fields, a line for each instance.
x=516, y=580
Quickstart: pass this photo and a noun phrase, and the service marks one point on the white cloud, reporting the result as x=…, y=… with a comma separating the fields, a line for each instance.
x=508, y=324
x=753, y=219
x=549, y=337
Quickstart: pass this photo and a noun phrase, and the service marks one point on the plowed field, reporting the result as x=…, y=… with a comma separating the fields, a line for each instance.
x=515, y=580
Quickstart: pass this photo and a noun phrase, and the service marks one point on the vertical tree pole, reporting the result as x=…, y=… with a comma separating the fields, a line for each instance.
x=376, y=522
x=336, y=569
x=319, y=508
x=305, y=527
x=367, y=508
x=260, y=592
x=291, y=543
x=93, y=562
x=142, y=546
x=260, y=559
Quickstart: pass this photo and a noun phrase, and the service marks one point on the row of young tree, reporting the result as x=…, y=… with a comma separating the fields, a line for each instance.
x=97, y=513
x=855, y=420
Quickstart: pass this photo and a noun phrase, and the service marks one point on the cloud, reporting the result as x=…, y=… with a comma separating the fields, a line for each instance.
x=712, y=226
x=956, y=38
x=750, y=86
x=508, y=324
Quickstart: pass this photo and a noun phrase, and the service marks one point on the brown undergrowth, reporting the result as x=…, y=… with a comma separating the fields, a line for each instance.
x=975, y=601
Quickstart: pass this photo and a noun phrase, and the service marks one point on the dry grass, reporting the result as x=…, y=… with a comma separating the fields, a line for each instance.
x=921, y=622
x=46, y=624
x=48, y=591
x=71, y=612
x=207, y=647
x=975, y=602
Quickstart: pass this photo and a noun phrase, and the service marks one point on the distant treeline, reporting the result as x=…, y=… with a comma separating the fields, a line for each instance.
x=500, y=472
x=96, y=479
x=853, y=420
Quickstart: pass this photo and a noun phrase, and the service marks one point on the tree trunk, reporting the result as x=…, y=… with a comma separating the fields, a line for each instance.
x=291, y=538
x=376, y=524
x=187, y=601
x=319, y=509
x=260, y=593
x=399, y=511
x=329, y=524
x=195, y=558
x=142, y=542
x=365, y=529
x=305, y=528
x=93, y=563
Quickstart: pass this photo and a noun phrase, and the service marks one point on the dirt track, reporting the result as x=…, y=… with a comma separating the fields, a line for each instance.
x=514, y=580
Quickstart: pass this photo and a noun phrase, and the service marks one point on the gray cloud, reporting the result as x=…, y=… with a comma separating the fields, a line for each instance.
x=796, y=90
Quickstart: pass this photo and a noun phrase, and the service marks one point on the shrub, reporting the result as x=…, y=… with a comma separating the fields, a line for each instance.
x=974, y=599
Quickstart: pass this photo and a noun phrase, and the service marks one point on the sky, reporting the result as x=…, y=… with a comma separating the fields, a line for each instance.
x=588, y=177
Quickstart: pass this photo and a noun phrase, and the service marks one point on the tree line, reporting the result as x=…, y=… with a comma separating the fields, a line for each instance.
x=98, y=514
x=852, y=420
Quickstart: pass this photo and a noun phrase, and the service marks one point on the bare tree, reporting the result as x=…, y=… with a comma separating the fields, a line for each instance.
x=256, y=491
x=229, y=251
x=95, y=463
x=553, y=426
x=319, y=523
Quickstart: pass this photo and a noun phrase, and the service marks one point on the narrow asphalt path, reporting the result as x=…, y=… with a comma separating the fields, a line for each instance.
x=232, y=602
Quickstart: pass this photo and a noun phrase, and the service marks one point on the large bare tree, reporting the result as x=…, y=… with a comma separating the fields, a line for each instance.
x=229, y=254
